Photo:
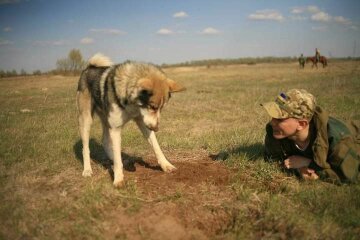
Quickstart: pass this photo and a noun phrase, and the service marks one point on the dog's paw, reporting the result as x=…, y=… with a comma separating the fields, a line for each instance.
x=87, y=173
x=168, y=167
x=118, y=184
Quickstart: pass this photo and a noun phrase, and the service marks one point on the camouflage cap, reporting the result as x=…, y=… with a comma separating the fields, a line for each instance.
x=296, y=103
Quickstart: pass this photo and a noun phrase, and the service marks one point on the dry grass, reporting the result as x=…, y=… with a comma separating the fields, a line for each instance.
x=44, y=196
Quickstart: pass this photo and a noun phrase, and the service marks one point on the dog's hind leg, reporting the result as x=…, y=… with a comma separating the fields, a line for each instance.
x=165, y=165
x=85, y=121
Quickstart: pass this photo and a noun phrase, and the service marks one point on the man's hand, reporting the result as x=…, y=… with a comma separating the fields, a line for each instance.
x=308, y=173
x=296, y=162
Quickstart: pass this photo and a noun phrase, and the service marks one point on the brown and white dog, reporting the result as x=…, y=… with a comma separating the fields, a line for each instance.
x=119, y=93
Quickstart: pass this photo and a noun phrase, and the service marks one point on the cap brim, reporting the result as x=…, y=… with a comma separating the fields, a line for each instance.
x=274, y=110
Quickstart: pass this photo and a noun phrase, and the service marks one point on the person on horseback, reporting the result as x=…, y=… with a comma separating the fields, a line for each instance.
x=302, y=61
x=317, y=55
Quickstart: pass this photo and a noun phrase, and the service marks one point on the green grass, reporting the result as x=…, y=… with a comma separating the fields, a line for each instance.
x=44, y=196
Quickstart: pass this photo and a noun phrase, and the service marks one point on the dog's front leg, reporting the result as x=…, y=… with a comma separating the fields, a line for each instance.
x=115, y=135
x=165, y=165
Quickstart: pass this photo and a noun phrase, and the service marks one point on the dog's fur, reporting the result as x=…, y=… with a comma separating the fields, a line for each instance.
x=119, y=93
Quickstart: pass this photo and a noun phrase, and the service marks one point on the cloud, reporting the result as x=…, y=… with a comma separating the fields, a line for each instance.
x=110, y=31
x=316, y=15
x=86, y=40
x=181, y=14
x=267, y=14
x=305, y=9
x=4, y=42
x=165, y=31
x=342, y=20
x=345, y=22
x=7, y=29
x=210, y=31
x=321, y=17
x=313, y=9
x=297, y=10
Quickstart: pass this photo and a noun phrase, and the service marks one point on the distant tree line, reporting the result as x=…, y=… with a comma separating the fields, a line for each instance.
x=74, y=63
x=222, y=62
x=14, y=73
x=71, y=65
x=248, y=61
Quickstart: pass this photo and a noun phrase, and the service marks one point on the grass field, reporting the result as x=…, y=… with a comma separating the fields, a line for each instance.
x=213, y=133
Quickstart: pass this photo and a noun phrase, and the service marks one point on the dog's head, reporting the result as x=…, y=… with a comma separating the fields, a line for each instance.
x=154, y=92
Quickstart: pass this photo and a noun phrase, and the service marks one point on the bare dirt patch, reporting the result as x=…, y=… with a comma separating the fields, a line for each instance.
x=190, y=173
x=189, y=203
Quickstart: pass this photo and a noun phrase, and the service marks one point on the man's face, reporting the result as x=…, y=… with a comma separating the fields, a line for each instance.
x=284, y=128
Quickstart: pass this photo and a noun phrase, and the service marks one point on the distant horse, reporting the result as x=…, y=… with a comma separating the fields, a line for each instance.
x=302, y=62
x=322, y=60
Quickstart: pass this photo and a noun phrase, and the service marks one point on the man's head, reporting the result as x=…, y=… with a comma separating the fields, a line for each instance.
x=291, y=112
x=295, y=103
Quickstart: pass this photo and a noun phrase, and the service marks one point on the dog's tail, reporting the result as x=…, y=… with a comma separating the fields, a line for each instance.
x=99, y=60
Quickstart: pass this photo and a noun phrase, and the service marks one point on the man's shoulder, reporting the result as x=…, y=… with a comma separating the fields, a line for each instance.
x=330, y=126
x=337, y=127
x=337, y=130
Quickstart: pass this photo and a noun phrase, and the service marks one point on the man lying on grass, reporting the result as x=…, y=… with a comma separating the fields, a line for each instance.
x=302, y=136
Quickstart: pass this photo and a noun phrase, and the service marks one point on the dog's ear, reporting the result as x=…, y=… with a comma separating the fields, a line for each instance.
x=174, y=87
x=145, y=83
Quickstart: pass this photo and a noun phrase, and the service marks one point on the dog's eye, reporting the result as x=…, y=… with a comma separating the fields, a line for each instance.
x=144, y=96
x=153, y=108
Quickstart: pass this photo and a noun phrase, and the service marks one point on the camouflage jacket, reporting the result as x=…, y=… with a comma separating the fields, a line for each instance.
x=335, y=147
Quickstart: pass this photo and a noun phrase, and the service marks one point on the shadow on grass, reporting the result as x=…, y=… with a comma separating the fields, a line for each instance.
x=252, y=152
x=98, y=155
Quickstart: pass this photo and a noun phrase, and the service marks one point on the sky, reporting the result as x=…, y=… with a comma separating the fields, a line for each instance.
x=34, y=34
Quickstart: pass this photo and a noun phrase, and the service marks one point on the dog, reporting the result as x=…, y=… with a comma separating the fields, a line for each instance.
x=118, y=93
